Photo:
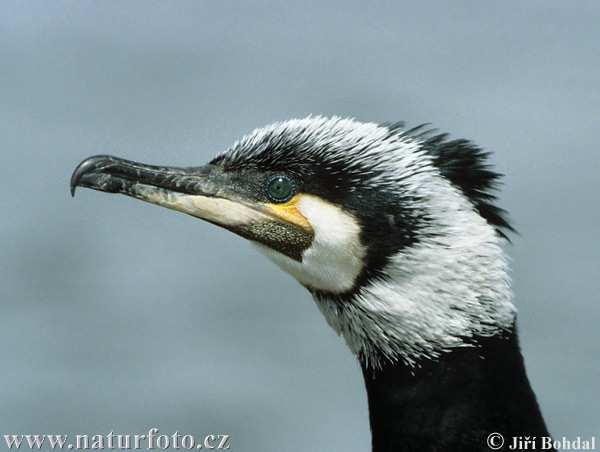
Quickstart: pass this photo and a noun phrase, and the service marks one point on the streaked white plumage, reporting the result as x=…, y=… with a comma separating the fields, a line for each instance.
x=438, y=294
x=448, y=287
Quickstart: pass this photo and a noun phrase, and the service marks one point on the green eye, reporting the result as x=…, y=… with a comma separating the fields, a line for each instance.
x=280, y=188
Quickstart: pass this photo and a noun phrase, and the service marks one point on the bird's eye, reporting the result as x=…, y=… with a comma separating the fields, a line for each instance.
x=280, y=188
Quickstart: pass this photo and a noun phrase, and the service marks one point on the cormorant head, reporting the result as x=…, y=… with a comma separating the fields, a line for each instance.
x=392, y=230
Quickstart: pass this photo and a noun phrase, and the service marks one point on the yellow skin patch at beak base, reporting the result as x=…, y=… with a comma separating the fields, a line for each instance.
x=290, y=213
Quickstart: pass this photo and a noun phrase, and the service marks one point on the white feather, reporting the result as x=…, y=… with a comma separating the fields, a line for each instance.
x=439, y=293
x=450, y=286
x=335, y=257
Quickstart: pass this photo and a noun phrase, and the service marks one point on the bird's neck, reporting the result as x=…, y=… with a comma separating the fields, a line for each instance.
x=454, y=402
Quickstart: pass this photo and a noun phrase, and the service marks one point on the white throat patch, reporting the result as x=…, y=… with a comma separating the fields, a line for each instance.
x=335, y=257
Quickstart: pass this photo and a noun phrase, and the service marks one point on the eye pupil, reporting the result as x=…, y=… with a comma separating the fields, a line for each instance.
x=280, y=188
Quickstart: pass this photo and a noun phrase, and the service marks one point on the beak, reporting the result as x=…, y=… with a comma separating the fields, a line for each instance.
x=204, y=192
x=116, y=175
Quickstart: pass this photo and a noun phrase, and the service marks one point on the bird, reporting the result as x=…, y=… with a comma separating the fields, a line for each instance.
x=397, y=235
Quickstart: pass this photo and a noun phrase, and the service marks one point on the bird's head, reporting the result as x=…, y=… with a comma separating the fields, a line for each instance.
x=392, y=230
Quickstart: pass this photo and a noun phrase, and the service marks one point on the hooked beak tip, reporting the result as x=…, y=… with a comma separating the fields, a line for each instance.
x=86, y=166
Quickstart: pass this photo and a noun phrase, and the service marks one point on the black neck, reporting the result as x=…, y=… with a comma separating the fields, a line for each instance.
x=454, y=402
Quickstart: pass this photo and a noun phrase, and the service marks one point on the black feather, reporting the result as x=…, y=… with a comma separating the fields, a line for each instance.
x=466, y=166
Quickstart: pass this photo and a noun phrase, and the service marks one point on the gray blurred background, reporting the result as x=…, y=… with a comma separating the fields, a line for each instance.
x=117, y=315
